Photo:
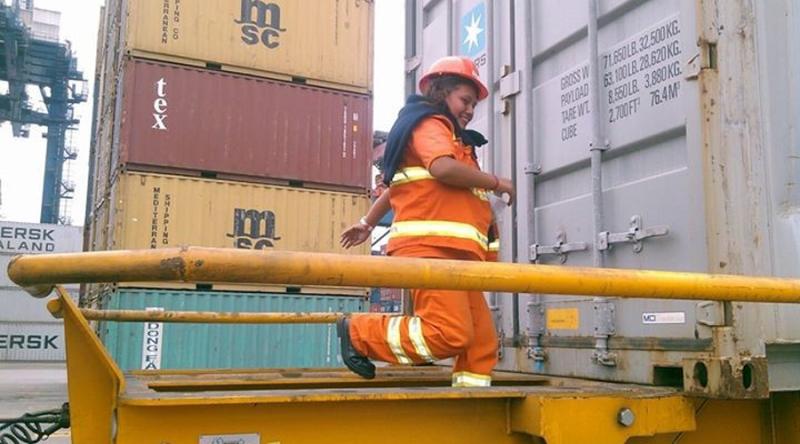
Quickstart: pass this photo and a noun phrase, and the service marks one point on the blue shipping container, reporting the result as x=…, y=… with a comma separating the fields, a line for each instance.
x=202, y=346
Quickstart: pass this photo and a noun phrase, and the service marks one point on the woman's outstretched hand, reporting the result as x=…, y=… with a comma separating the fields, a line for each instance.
x=356, y=235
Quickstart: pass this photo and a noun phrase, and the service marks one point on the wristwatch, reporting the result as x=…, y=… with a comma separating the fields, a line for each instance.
x=363, y=221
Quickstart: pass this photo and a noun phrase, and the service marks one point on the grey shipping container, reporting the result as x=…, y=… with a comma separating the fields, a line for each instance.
x=692, y=110
x=198, y=346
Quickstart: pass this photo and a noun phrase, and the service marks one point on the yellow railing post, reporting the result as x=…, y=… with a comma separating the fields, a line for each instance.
x=94, y=380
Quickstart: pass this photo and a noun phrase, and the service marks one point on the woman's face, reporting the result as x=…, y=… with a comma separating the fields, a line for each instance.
x=461, y=102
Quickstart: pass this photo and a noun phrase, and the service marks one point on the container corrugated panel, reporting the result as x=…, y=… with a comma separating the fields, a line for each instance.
x=16, y=305
x=329, y=43
x=158, y=211
x=99, y=228
x=97, y=94
x=196, y=121
x=194, y=346
x=101, y=177
x=32, y=341
x=713, y=160
x=26, y=238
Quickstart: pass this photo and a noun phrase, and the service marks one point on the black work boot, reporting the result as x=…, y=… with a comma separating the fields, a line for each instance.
x=352, y=359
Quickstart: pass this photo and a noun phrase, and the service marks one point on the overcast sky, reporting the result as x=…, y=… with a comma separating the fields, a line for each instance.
x=22, y=160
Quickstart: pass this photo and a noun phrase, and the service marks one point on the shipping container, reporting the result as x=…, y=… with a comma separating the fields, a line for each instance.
x=102, y=168
x=26, y=238
x=390, y=306
x=159, y=211
x=24, y=320
x=97, y=105
x=327, y=44
x=18, y=306
x=32, y=341
x=198, y=346
x=699, y=168
x=192, y=121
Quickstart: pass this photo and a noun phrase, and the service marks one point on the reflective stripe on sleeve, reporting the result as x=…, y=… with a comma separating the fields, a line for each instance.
x=494, y=246
x=393, y=338
x=420, y=346
x=467, y=379
x=414, y=174
x=410, y=174
x=481, y=194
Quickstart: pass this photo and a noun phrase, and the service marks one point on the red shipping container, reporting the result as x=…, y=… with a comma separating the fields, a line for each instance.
x=391, y=294
x=193, y=121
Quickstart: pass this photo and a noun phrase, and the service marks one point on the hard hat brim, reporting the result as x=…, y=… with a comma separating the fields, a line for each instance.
x=424, y=83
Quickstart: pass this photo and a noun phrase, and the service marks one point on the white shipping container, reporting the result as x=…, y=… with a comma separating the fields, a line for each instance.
x=24, y=238
x=18, y=306
x=31, y=341
x=696, y=119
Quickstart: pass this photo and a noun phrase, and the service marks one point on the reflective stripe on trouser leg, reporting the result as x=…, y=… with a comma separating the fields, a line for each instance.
x=446, y=329
x=376, y=337
x=394, y=339
x=447, y=325
x=418, y=339
x=467, y=379
x=474, y=366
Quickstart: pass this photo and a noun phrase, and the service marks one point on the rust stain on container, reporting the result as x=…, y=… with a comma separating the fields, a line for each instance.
x=327, y=43
x=186, y=120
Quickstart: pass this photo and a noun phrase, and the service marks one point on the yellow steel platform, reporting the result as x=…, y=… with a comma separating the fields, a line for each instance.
x=401, y=405
x=317, y=406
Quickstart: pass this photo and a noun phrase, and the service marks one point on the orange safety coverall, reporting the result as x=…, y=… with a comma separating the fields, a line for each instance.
x=434, y=220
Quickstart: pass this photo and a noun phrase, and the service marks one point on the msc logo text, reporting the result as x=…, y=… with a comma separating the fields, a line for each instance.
x=261, y=22
x=253, y=229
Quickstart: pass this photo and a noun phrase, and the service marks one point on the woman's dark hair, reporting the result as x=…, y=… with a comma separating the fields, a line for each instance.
x=442, y=86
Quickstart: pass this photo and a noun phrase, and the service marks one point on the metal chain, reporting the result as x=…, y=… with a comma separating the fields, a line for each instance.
x=28, y=428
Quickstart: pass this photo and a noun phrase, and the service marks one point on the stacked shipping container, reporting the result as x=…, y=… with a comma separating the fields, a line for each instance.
x=700, y=146
x=232, y=124
x=27, y=330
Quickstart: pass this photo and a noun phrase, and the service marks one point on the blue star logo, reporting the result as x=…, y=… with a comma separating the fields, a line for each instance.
x=473, y=31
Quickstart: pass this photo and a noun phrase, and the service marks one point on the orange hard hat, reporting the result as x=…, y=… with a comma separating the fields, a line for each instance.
x=456, y=66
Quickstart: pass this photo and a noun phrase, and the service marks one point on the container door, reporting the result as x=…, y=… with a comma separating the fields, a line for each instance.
x=652, y=182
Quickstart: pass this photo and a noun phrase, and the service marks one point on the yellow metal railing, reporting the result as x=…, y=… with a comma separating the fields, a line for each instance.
x=104, y=408
x=39, y=273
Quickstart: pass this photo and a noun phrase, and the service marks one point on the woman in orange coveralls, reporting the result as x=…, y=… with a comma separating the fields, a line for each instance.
x=441, y=206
